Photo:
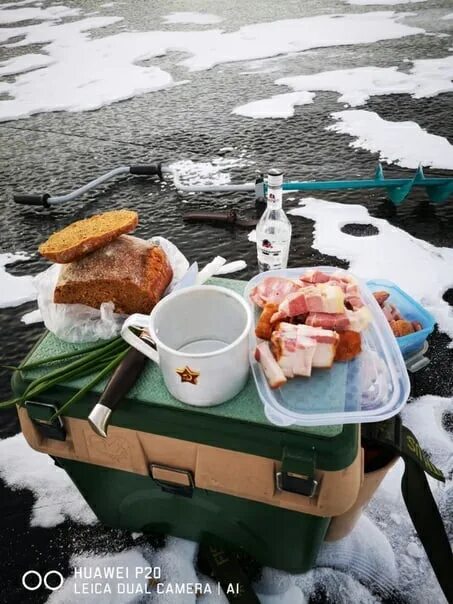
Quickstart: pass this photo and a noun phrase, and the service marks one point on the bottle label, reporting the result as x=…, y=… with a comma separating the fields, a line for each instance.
x=270, y=255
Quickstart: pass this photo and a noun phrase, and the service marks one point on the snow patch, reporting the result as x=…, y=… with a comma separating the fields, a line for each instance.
x=426, y=78
x=385, y=255
x=215, y=172
x=278, y=106
x=424, y=417
x=40, y=14
x=24, y=63
x=56, y=497
x=96, y=72
x=31, y=317
x=403, y=143
x=15, y=290
x=189, y=17
x=447, y=17
x=382, y=2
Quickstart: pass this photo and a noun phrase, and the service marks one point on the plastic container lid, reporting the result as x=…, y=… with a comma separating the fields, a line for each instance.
x=371, y=388
x=410, y=310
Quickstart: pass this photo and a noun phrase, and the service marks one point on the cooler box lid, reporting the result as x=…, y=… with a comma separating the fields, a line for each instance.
x=239, y=424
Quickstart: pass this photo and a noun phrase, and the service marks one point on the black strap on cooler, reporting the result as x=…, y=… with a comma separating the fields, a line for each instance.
x=216, y=561
x=420, y=503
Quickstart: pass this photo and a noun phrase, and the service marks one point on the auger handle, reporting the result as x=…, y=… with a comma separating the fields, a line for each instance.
x=31, y=200
x=147, y=170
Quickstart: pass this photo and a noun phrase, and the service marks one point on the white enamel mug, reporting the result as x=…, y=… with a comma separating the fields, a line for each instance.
x=201, y=338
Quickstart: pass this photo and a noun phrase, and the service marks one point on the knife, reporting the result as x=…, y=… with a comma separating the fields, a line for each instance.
x=128, y=372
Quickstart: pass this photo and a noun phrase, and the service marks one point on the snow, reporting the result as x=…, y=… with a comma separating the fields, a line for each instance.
x=426, y=78
x=56, y=497
x=42, y=14
x=96, y=72
x=382, y=2
x=31, y=317
x=215, y=172
x=447, y=18
x=278, y=106
x=24, y=63
x=403, y=143
x=424, y=416
x=385, y=255
x=109, y=590
x=15, y=290
x=189, y=17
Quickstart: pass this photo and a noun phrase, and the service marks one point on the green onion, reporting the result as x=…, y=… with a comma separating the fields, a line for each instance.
x=102, y=358
x=68, y=355
x=100, y=376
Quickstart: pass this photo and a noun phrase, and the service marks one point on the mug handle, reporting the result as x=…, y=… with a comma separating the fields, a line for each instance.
x=138, y=320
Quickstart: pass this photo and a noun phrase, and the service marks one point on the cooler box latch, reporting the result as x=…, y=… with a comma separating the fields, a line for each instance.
x=297, y=473
x=41, y=414
x=172, y=480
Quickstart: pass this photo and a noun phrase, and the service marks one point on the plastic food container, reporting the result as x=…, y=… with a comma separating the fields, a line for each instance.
x=371, y=388
x=411, y=310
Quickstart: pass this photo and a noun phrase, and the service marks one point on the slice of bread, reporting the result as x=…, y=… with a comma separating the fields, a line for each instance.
x=84, y=236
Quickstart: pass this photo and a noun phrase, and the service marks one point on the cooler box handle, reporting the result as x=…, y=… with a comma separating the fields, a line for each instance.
x=172, y=480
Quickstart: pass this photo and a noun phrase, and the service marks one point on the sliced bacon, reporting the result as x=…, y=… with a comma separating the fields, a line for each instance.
x=293, y=305
x=293, y=350
x=326, y=344
x=315, y=277
x=273, y=290
x=271, y=368
x=335, y=322
x=359, y=319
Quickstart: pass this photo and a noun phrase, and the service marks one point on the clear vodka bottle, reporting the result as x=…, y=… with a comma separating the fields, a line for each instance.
x=273, y=232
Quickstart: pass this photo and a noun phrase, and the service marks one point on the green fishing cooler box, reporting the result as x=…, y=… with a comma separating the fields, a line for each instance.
x=200, y=473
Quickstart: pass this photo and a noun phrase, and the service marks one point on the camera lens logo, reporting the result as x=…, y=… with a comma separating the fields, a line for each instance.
x=33, y=580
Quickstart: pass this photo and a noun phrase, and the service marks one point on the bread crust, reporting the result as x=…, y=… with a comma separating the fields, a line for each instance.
x=85, y=236
x=130, y=272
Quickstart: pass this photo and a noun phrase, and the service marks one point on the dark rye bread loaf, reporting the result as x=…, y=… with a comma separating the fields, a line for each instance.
x=130, y=272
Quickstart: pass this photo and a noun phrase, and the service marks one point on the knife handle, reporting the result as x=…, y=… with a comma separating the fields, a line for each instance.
x=122, y=380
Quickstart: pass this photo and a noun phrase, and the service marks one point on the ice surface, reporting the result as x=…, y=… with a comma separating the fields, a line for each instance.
x=95, y=72
x=189, y=17
x=426, y=78
x=56, y=497
x=14, y=290
x=278, y=106
x=403, y=143
x=126, y=562
x=385, y=255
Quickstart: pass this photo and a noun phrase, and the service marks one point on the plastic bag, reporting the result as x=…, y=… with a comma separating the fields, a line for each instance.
x=79, y=323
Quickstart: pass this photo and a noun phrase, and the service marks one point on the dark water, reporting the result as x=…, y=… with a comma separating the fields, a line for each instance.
x=59, y=151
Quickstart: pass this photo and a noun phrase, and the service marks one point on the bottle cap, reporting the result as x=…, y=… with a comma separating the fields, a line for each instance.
x=274, y=177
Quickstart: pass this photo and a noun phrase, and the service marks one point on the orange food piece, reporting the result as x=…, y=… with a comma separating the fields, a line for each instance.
x=381, y=297
x=349, y=346
x=264, y=327
x=401, y=328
